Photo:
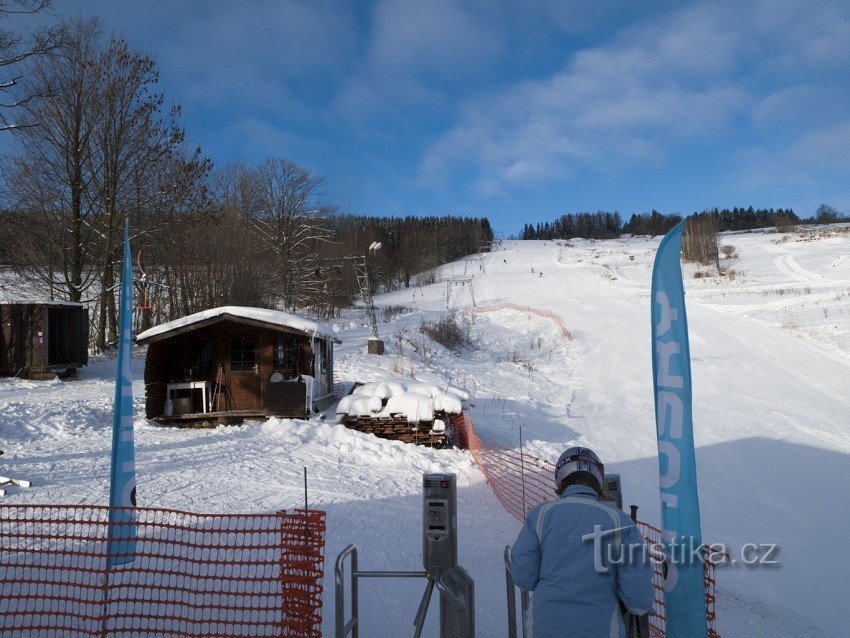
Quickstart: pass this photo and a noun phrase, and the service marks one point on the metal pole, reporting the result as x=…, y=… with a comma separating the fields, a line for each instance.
x=509, y=585
x=355, y=602
x=524, y=602
x=306, y=530
x=522, y=470
x=104, y=619
x=422, y=612
x=343, y=628
x=449, y=594
x=389, y=574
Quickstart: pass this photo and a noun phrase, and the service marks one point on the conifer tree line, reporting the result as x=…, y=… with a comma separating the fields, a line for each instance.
x=606, y=225
x=101, y=144
x=599, y=225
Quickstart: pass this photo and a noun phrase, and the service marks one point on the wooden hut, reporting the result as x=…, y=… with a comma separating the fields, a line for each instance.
x=40, y=339
x=231, y=363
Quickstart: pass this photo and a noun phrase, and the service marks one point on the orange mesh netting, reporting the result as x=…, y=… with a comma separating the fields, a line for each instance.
x=548, y=314
x=191, y=574
x=521, y=482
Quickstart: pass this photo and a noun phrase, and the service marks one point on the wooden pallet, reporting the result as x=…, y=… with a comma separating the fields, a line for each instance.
x=399, y=429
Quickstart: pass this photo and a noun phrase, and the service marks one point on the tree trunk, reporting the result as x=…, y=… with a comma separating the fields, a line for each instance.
x=100, y=342
x=76, y=292
x=112, y=314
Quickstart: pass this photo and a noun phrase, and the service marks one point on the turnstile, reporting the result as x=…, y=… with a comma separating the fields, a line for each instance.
x=439, y=557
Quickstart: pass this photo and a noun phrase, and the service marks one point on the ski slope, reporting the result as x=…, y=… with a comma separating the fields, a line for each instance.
x=771, y=365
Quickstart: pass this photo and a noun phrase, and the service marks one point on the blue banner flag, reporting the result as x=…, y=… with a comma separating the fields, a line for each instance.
x=122, y=489
x=671, y=374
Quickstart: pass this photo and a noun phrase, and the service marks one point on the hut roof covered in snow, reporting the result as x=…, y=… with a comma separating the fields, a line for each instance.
x=414, y=400
x=41, y=302
x=242, y=314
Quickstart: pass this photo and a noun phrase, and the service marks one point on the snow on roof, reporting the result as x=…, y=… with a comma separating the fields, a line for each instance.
x=264, y=315
x=40, y=302
x=414, y=400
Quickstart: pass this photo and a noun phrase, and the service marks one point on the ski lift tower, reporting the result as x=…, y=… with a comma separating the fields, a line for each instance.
x=376, y=345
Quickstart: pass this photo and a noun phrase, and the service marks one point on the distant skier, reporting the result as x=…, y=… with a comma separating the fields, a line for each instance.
x=567, y=554
x=541, y=273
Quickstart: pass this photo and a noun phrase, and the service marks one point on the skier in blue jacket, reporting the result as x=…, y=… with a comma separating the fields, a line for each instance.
x=581, y=558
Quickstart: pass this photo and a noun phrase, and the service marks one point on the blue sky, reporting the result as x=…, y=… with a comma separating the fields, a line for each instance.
x=519, y=111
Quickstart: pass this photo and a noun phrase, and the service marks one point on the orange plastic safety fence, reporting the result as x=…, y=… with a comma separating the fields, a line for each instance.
x=521, y=482
x=548, y=314
x=190, y=574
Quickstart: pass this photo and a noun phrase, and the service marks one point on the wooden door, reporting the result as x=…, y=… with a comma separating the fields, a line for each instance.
x=245, y=371
x=6, y=343
x=19, y=336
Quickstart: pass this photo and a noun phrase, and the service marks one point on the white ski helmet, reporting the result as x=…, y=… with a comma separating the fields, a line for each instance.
x=579, y=459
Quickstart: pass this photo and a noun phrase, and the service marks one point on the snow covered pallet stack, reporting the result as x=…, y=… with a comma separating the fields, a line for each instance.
x=409, y=411
x=399, y=429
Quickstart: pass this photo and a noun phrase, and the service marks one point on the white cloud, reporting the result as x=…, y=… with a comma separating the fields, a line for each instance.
x=254, y=135
x=416, y=50
x=437, y=36
x=253, y=54
x=828, y=148
x=800, y=107
x=298, y=38
x=809, y=169
x=802, y=38
x=809, y=159
x=655, y=86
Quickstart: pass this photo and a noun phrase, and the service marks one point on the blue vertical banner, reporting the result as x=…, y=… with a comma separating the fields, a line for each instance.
x=671, y=373
x=122, y=489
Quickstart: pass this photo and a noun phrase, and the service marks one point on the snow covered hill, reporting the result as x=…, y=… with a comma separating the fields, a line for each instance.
x=771, y=366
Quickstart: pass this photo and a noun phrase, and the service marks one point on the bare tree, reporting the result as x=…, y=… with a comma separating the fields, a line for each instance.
x=131, y=139
x=699, y=243
x=166, y=211
x=826, y=214
x=289, y=220
x=104, y=149
x=49, y=180
x=195, y=242
x=204, y=260
x=15, y=50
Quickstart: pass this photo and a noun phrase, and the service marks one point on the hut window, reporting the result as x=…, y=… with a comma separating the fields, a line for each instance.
x=243, y=355
x=326, y=355
x=200, y=358
x=284, y=354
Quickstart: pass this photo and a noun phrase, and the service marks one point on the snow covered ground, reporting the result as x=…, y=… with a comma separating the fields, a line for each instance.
x=771, y=350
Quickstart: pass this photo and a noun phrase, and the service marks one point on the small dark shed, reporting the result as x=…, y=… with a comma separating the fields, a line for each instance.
x=39, y=339
x=231, y=363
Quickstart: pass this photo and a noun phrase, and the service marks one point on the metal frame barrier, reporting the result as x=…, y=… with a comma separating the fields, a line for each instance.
x=511, y=591
x=343, y=628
